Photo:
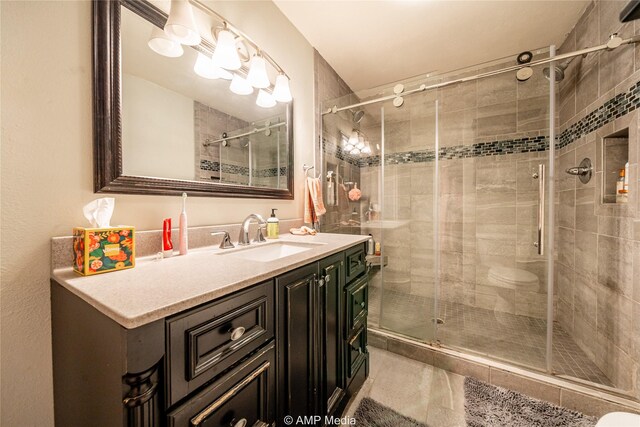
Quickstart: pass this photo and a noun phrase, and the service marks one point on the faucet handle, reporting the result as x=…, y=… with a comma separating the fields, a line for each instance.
x=226, y=240
x=259, y=236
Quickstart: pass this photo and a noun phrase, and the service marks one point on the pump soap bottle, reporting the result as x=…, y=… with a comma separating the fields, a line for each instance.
x=273, y=225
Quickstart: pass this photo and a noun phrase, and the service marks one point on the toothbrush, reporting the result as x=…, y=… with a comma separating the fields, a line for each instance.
x=184, y=244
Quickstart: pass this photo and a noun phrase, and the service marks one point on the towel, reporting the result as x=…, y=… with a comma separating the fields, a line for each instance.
x=303, y=231
x=313, y=204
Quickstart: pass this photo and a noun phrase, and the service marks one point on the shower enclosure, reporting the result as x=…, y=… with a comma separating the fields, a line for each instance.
x=461, y=187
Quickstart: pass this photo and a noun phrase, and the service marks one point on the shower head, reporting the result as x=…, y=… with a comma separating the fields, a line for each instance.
x=357, y=115
x=560, y=68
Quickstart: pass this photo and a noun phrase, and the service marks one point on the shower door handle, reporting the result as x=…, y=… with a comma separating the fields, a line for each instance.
x=540, y=176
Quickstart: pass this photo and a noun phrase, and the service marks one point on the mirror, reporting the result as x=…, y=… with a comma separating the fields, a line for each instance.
x=160, y=127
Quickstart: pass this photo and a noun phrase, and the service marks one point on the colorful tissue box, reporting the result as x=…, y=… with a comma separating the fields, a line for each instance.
x=100, y=250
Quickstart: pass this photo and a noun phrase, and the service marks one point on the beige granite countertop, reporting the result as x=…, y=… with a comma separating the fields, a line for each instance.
x=157, y=289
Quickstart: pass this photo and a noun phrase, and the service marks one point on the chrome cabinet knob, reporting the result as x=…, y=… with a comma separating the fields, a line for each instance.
x=327, y=278
x=241, y=423
x=236, y=333
x=362, y=304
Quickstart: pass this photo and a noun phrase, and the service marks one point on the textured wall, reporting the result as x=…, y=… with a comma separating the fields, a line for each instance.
x=598, y=244
x=47, y=170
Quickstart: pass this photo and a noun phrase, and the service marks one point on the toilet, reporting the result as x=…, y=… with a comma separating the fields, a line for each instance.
x=508, y=280
x=619, y=419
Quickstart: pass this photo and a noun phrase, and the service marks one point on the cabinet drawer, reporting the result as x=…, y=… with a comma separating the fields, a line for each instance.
x=356, y=262
x=244, y=396
x=203, y=342
x=357, y=304
x=356, y=351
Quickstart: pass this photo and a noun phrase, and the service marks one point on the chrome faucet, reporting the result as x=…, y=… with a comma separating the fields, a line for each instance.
x=243, y=239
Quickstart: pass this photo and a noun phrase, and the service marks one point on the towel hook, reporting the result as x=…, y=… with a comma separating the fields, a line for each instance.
x=307, y=168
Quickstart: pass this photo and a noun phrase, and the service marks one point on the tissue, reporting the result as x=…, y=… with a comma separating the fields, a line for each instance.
x=99, y=212
x=102, y=248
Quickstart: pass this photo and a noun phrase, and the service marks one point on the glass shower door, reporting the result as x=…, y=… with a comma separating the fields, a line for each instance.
x=408, y=176
x=493, y=136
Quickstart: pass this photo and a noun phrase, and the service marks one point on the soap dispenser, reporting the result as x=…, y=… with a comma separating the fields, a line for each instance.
x=273, y=225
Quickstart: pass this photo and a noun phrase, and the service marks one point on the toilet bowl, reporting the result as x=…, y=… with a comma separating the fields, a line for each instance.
x=508, y=281
x=619, y=419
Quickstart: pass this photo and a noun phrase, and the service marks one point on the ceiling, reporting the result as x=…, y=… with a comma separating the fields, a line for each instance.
x=371, y=43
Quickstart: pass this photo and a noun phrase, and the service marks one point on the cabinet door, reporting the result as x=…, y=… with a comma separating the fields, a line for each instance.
x=299, y=358
x=332, y=273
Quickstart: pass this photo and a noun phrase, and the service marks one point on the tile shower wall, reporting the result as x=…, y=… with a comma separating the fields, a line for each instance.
x=598, y=244
x=339, y=217
x=229, y=163
x=210, y=124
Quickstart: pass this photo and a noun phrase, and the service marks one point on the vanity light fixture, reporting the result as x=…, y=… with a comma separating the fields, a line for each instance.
x=353, y=139
x=257, y=76
x=356, y=144
x=281, y=91
x=204, y=67
x=265, y=99
x=240, y=86
x=231, y=49
x=181, y=24
x=162, y=44
x=225, y=54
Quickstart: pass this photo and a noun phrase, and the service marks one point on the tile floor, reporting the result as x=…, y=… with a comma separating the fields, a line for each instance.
x=427, y=394
x=518, y=339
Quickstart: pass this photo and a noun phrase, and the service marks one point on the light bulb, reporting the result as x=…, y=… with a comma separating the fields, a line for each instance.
x=224, y=74
x=257, y=76
x=204, y=67
x=240, y=86
x=353, y=139
x=348, y=147
x=366, y=150
x=162, y=44
x=265, y=99
x=181, y=24
x=355, y=151
x=360, y=143
x=281, y=91
x=225, y=54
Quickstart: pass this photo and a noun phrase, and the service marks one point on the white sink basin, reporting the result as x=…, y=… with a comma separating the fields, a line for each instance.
x=266, y=252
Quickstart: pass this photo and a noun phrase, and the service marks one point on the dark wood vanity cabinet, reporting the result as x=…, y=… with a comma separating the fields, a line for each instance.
x=291, y=346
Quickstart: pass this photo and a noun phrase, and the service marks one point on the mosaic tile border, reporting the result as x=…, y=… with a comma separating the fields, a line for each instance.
x=208, y=165
x=482, y=149
x=611, y=110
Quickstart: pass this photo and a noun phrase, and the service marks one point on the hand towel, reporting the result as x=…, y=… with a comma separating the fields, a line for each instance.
x=313, y=204
x=303, y=231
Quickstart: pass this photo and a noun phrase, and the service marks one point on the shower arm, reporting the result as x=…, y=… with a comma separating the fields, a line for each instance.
x=613, y=42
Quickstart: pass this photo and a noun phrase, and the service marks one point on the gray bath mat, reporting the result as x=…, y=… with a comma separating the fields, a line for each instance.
x=372, y=414
x=490, y=406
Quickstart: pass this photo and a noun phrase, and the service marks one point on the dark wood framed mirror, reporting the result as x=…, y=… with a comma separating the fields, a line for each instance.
x=128, y=140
